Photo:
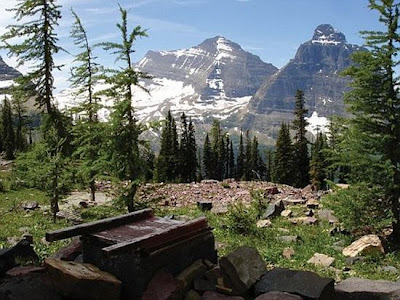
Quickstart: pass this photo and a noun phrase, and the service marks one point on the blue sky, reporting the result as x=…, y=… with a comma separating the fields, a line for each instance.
x=271, y=29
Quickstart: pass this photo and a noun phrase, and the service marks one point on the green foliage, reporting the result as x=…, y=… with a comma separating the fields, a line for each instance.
x=318, y=166
x=8, y=134
x=123, y=149
x=360, y=206
x=283, y=164
x=187, y=151
x=301, y=158
x=168, y=161
x=241, y=219
x=374, y=101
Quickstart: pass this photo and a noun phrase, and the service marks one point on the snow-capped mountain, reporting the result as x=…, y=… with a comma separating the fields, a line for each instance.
x=315, y=70
x=212, y=80
x=215, y=78
x=7, y=76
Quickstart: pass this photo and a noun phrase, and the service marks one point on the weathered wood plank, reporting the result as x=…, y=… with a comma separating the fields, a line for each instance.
x=98, y=226
x=153, y=240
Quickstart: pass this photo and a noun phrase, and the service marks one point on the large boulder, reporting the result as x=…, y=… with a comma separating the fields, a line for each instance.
x=278, y=296
x=82, y=281
x=243, y=267
x=365, y=289
x=163, y=286
x=23, y=250
x=368, y=244
x=306, y=284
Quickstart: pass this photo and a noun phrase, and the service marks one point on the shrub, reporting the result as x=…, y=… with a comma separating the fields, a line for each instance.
x=360, y=206
x=241, y=219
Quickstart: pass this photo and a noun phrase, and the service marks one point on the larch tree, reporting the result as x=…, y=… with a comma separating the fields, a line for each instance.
x=125, y=131
x=35, y=42
x=374, y=102
x=88, y=132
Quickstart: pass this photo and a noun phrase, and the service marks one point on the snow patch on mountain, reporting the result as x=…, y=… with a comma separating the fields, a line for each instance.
x=6, y=83
x=317, y=124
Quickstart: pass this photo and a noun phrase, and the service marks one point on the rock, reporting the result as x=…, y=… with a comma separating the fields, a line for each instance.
x=306, y=284
x=278, y=296
x=82, y=281
x=352, y=260
x=209, y=181
x=31, y=205
x=243, y=267
x=288, y=252
x=23, y=251
x=194, y=271
x=219, y=210
x=274, y=210
x=310, y=213
x=204, y=205
x=312, y=204
x=287, y=239
x=327, y=214
x=163, y=286
x=83, y=204
x=369, y=244
x=204, y=284
x=299, y=220
x=24, y=270
x=357, y=288
x=390, y=269
x=273, y=190
x=293, y=201
x=192, y=295
x=311, y=221
x=263, y=223
x=287, y=213
x=69, y=252
x=28, y=287
x=323, y=260
x=217, y=296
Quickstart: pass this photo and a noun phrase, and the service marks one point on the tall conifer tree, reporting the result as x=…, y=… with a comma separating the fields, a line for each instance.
x=283, y=165
x=301, y=159
x=8, y=130
x=374, y=102
x=125, y=131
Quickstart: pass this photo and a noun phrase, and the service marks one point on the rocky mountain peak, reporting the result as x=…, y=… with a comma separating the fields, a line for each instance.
x=327, y=35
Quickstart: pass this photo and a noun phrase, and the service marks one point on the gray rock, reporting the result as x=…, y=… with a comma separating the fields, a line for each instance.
x=365, y=289
x=321, y=260
x=390, y=269
x=31, y=205
x=306, y=284
x=274, y=210
x=243, y=267
x=278, y=296
x=327, y=214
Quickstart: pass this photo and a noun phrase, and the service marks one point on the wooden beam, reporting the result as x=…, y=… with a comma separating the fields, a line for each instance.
x=98, y=226
x=160, y=238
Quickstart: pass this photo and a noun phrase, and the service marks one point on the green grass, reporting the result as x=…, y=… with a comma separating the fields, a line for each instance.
x=315, y=238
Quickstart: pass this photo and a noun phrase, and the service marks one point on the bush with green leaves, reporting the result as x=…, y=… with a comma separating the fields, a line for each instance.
x=241, y=219
x=360, y=206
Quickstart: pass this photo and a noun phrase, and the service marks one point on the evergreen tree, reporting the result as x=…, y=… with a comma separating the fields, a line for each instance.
x=283, y=165
x=374, y=102
x=208, y=163
x=218, y=151
x=8, y=130
x=124, y=147
x=249, y=160
x=39, y=45
x=301, y=159
x=89, y=132
x=258, y=165
x=231, y=161
x=269, y=172
x=240, y=165
x=187, y=149
x=168, y=161
x=318, y=163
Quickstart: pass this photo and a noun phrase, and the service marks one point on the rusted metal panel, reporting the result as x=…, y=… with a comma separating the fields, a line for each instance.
x=97, y=226
x=156, y=238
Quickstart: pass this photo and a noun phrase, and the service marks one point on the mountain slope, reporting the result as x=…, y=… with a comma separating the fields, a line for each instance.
x=7, y=74
x=315, y=69
x=215, y=78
